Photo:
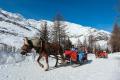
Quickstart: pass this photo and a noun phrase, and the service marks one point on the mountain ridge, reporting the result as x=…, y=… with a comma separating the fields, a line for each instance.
x=17, y=27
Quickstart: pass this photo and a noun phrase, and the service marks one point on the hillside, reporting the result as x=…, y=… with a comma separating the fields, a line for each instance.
x=14, y=27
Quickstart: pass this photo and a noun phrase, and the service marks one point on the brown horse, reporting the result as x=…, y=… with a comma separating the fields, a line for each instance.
x=44, y=49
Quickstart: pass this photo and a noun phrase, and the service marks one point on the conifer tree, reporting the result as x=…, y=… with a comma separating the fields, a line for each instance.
x=44, y=31
x=59, y=30
x=115, y=38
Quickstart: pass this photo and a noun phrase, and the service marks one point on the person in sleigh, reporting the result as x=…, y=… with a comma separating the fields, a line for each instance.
x=71, y=55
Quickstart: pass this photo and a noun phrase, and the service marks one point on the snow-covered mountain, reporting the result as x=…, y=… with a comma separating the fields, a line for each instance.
x=77, y=31
x=14, y=27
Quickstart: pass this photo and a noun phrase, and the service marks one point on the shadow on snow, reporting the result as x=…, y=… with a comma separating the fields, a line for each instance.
x=72, y=65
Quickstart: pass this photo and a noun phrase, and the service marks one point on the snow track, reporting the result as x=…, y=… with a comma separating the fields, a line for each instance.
x=95, y=69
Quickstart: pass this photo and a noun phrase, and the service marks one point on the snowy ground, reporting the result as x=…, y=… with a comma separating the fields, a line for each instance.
x=28, y=69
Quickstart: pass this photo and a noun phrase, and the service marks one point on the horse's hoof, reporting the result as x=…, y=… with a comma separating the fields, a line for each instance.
x=56, y=66
x=42, y=66
x=46, y=69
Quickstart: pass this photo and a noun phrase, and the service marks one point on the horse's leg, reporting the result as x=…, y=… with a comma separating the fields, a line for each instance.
x=40, y=56
x=47, y=65
x=56, y=60
x=62, y=58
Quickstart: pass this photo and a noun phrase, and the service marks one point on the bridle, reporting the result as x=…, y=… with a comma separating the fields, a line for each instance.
x=28, y=48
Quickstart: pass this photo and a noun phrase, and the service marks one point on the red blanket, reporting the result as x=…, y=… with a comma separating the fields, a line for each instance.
x=72, y=54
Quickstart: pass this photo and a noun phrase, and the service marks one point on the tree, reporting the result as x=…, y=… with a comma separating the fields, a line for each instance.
x=67, y=44
x=79, y=43
x=115, y=38
x=59, y=30
x=85, y=42
x=44, y=31
x=90, y=43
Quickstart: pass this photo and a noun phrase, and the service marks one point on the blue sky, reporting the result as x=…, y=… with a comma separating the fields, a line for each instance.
x=100, y=14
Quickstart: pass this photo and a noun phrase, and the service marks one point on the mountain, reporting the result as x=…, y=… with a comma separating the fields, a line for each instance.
x=14, y=27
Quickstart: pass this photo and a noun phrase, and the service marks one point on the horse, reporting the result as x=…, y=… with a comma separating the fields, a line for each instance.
x=44, y=49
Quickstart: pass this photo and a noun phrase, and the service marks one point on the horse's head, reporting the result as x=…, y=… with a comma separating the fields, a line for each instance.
x=27, y=46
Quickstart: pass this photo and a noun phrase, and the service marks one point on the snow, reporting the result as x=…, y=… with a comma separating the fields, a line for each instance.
x=13, y=66
x=10, y=58
x=9, y=22
x=95, y=69
x=14, y=16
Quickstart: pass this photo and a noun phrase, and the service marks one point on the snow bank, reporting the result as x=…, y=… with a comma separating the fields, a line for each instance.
x=10, y=58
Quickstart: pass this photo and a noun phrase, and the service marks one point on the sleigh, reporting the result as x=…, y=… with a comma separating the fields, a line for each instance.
x=101, y=54
x=75, y=57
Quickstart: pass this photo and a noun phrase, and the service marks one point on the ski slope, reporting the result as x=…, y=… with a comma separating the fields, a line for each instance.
x=95, y=69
